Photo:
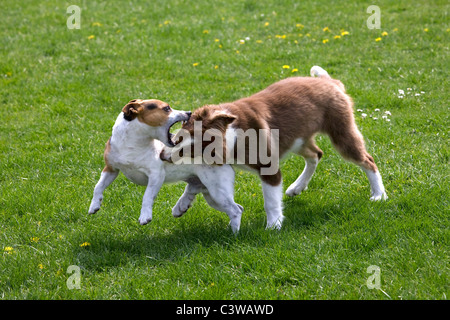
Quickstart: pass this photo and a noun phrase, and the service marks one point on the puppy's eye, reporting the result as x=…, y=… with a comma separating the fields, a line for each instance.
x=166, y=109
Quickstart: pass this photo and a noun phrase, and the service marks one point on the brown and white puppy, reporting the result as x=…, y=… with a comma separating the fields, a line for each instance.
x=138, y=139
x=296, y=109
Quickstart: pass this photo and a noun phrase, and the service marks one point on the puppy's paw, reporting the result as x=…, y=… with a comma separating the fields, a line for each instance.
x=275, y=224
x=379, y=197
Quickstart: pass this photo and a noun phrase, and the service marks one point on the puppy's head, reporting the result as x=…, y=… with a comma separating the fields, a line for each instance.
x=206, y=126
x=156, y=114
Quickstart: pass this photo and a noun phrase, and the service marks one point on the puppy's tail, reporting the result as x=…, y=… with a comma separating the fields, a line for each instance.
x=319, y=72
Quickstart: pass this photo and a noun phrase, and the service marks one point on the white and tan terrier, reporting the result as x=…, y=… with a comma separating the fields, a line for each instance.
x=139, y=136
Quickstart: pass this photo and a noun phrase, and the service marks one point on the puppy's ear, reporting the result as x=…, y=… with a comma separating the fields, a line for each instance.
x=221, y=120
x=130, y=111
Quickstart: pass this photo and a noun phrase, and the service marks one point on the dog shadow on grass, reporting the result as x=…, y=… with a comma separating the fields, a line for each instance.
x=190, y=235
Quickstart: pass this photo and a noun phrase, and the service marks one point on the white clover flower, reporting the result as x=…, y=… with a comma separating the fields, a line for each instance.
x=401, y=92
x=377, y=109
x=384, y=117
x=363, y=115
x=388, y=120
x=359, y=110
x=417, y=94
x=375, y=118
x=388, y=113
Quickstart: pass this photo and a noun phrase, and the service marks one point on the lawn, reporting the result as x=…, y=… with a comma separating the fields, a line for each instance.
x=61, y=90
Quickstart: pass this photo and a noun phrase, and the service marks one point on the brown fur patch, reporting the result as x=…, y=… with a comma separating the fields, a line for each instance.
x=107, y=167
x=152, y=112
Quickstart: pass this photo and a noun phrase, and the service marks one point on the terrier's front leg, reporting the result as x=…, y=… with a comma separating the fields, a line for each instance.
x=107, y=177
x=155, y=182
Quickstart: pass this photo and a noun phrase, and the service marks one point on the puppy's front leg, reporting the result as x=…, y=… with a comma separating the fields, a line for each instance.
x=155, y=182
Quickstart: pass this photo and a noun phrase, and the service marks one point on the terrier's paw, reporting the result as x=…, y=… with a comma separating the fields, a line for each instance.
x=179, y=210
x=95, y=206
x=145, y=217
x=294, y=190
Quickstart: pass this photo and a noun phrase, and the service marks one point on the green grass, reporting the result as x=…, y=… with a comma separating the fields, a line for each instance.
x=62, y=89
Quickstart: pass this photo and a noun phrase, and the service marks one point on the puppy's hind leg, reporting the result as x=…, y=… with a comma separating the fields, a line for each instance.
x=350, y=144
x=107, y=176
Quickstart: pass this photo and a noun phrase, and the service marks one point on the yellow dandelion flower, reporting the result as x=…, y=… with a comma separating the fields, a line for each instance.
x=426, y=30
x=167, y=22
x=205, y=31
x=448, y=30
x=286, y=67
x=295, y=41
x=299, y=25
x=258, y=41
x=8, y=250
x=41, y=266
x=395, y=29
x=337, y=37
x=326, y=29
x=220, y=46
x=325, y=40
x=378, y=39
x=345, y=33
x=295, y=70
x=216, y=40
x=266, y=24
x=96, y=24
x=195, y=64
x=34, y=239
x=91, y=37
x=85, y=244
x=216, y=67
x=237, y=51
x=308, y=35
x=384, y=33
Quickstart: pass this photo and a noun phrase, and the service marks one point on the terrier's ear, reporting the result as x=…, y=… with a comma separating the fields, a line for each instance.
x=130, y=111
